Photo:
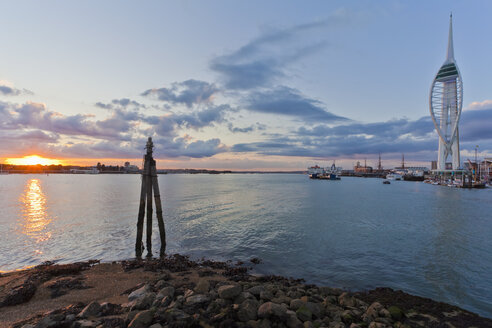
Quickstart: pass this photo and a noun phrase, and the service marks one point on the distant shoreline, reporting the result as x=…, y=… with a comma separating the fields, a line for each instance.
x=162, y=172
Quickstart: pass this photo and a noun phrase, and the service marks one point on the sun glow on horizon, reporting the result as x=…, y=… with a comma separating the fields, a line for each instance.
x=33, y=160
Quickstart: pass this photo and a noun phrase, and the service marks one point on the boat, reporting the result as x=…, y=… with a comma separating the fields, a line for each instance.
x=317, y=172
x=92, y=170
x=386, y=182
x=394, y=176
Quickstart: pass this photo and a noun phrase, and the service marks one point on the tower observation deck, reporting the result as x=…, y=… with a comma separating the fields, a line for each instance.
x=445, y=104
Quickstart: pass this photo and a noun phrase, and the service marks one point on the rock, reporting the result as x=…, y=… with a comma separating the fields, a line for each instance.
x=229, y=291
x=296, y=304
x=160, y=284
x=281, y=299
x=346, y=300
x=396, y=313
x=248, y=310
x=166, y=301
x=142, y=319
x=187, y=293
x=354, y=325
x=256, y=290
x=385, y=313
x=336, y=325
x=347, y=317
x=70, y=317
x=304, y=314
x=202, y=287
x=269, y=310
x=316, y=309
x=243, y=297
x=375, y=324
x=175, y=314
x=27, y=325
x=144, y=302
x=139, y=292
x=91, y=310
x=46, y=322
x=130, y=316
x=329, y=291
x=166, y=291
x=266, y=295
x=292, y=320
x=84, y=324
x=197, y=300
x=308, y=324
x=110, y=308
x=372, y=312
x=113, y=321
x=156, y=325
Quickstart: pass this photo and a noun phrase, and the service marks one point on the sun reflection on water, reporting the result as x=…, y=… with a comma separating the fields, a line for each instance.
x=35, y=218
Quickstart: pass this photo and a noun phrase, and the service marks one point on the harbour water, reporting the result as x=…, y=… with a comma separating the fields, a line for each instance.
x=354, y=233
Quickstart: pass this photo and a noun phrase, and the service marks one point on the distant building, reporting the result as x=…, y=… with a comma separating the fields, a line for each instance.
x=434, y=165
x=130, y=168
x=362, y=169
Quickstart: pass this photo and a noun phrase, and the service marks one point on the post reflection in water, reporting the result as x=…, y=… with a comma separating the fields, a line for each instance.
x=35, y=220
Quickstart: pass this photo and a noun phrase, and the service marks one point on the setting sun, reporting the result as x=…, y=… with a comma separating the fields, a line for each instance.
x=33, y=160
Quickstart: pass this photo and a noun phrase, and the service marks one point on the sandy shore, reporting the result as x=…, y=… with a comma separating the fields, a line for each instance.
x=178, y=292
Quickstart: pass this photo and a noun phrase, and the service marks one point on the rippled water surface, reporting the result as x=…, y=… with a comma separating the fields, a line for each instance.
x=354, y=233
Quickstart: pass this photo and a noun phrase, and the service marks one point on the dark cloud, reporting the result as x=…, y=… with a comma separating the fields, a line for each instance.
x=189, y=92
x=290, y=102
x=10, y=91
x=122, y=103
x=251, y=128
x=262, y=61
x=476, y=125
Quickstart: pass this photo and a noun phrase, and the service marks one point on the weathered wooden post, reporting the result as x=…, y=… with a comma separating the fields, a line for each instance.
x=149, y=185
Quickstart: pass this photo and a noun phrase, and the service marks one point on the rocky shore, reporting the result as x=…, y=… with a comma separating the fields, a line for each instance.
x=178, y=292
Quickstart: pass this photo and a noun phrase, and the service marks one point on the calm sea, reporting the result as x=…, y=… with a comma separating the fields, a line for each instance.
x=355, y=233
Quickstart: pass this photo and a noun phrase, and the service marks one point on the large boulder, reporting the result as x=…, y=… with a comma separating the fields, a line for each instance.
x=139, y=292
x=248, y=310
x=269, y=310
x=229, y=291
x=91, y=310
x=346, y=300
x=197, y=300
x=142, y=319
x=166, y=291
x=145, y=301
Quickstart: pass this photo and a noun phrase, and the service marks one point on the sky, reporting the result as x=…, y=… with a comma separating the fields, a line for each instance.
x=252, y=85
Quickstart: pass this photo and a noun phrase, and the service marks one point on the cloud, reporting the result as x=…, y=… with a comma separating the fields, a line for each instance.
x=255, y=127
x=189, y=93
x=262, y=61
x=8, y=90
x=33, y=115
x=476, y=105
x=287, y=101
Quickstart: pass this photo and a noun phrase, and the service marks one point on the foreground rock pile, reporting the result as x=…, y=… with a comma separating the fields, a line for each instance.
x=190, y=294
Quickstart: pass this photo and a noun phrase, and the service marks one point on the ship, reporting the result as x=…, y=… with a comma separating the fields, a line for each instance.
x=332, y=173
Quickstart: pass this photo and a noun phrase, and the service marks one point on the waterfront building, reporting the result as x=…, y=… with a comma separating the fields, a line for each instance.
x=445, y=104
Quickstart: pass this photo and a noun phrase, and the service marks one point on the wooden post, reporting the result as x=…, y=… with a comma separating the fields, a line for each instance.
x=158, y=209
x=149, y=213
x=149, y=185
x=141, y=214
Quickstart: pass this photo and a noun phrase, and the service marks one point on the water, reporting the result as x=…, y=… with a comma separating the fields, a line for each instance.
x=355, y=233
